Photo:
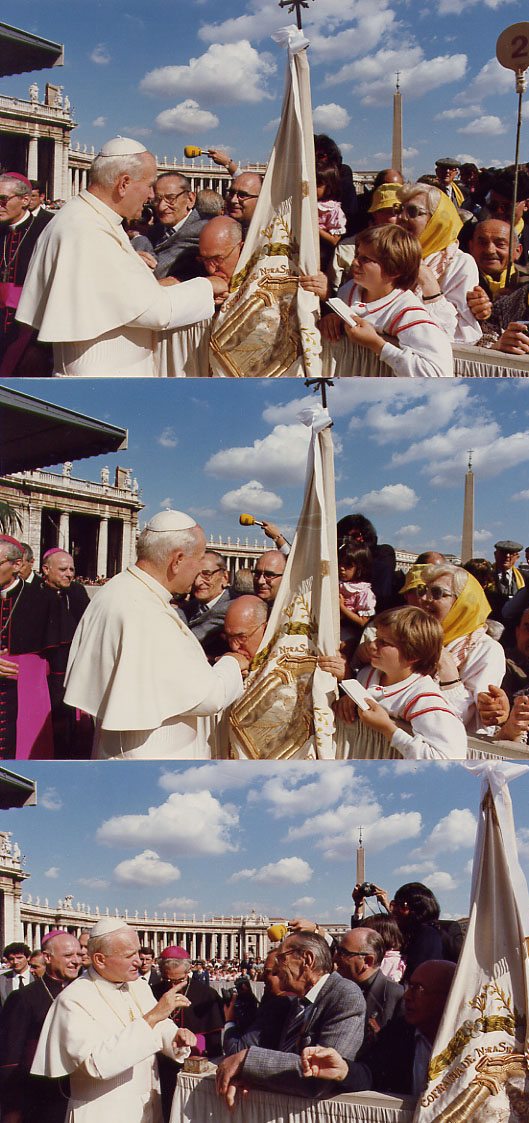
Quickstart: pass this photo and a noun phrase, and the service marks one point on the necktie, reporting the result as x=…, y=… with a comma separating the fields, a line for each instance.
x=294, y=1027
x=20, y=982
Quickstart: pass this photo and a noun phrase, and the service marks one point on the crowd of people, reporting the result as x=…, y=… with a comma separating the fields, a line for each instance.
x=414, y=266
x=98, y=1027
x=160, y=651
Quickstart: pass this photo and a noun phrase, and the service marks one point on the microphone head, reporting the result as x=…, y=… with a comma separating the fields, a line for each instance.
x=191, y=151
x=247, y=520
x=277, y=932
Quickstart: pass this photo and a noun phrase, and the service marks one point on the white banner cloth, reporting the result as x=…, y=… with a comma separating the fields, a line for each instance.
x=285, y=711
x=267, y=325
x=478, y=1069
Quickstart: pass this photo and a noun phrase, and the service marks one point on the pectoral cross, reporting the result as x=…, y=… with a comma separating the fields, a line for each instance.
x=298, y=5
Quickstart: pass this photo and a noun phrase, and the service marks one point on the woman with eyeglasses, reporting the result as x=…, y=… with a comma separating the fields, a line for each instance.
x=446, y=272
x=470, y=660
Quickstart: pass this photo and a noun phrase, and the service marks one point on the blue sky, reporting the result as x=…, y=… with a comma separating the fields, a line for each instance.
x=194, y=72
x=219, y=447
x=223, y=837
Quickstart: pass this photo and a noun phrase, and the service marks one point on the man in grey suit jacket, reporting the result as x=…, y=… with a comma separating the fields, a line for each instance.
x=358, y=957
x=327, y=1009
x=210, y=599
x=174, y=236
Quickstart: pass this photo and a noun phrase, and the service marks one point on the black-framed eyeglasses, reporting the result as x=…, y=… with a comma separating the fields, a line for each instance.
x=350, y=954
x=267, y=574
x=240, y=194
x=436, y=592
x=207, y=574
x=170, y=199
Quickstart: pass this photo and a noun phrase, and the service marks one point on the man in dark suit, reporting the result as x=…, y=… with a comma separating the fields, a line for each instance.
x=210, y=599
x=174, y=236
x=19, y=232
x=327, y=1010
x=358, y=957
x=399, y=1057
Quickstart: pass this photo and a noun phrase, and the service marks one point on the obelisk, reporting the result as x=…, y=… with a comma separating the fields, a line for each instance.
x=396, y=151
x=467, y=543
x=360, y=862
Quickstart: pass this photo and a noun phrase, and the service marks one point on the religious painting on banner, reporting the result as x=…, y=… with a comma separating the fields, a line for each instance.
x=285, y=711
x=478, y=1068
x=267, y=326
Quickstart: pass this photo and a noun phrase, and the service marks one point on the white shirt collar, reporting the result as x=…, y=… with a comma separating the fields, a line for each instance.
x=314, y=991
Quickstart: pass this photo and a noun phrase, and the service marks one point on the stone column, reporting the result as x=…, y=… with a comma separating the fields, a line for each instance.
x=102, y=547
x=64, y=531
x=33, y=158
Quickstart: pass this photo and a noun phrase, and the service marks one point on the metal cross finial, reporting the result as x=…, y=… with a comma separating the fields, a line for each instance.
x=322, y=384
x=398, y=77
x=298, y=5
x=470, y=451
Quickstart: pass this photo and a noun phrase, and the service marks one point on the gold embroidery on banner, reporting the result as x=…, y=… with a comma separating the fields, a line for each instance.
x=259, y=336
x=273, y=719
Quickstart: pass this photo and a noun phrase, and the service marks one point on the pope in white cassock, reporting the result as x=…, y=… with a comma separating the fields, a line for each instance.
x=137, y=668
x=89, y=293
x=104, y=1030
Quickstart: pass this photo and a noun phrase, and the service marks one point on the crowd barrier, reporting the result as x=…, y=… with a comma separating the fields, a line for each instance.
x=196, y=1101
x=346, y=359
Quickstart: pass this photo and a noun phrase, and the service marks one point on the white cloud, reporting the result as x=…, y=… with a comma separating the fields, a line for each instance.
x=276, y=459
x=303, y=902
x=492, y=79
x=50, y=800
x=100, y=54
x=241, y=875
x=392, y=497
x=409, y=530
x=191, y=823
x=186, y=117
x=461, y=111
x=287, y=871
x=179, y=904
x=374, y=75
x=330, y=116
x=202, y=512
x=167, y=504
x=335, y=831
x=136, y=130
x=483, y=126
x=409, y=153
x=52, y=872
x=252, y=495
x=94, y=882
x=521, y=495
x=440, y=882
x=168, y=438
x=272, y=125
x=99, y=122
x=455, y=831
x=227, y=74
x=221, y=775
x=292, y=791
x=488, y=461
x=145, y=869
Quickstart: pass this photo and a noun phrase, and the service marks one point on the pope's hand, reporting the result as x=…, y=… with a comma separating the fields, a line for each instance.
x=335, y=664
x=7, y=669
x=164, y=1008
x=220, y=288
x=148, y=258
x=243, y=661
x=182, y=1038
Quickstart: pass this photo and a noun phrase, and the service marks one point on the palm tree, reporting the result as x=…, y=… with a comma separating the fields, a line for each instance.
x=10, y=520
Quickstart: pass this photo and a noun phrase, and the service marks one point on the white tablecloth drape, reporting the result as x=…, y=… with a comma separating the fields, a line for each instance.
x=195, y=1101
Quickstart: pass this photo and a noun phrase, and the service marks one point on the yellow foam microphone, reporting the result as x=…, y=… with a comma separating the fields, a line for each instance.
x=191, y=151
x=277, y=932
x=248, y=520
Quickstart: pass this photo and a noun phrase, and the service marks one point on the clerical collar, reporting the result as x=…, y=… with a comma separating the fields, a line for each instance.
x=10, y=588
x=52, y=985
x=19, y=221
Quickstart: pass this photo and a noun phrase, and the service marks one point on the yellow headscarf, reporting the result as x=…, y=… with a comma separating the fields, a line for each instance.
x=467, y=613
x=443, y=227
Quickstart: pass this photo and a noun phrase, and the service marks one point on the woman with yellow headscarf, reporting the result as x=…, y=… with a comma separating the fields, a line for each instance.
x=447, y=272
x=471, y=661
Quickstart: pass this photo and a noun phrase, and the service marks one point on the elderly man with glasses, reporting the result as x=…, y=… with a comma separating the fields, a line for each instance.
x=327, y=1010
x=267, y=576
x=358, y=957
x=210, y=600
x=174, y=236
x=242, y=196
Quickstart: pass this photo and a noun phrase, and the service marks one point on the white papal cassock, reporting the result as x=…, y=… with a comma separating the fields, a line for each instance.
x=138, y=669
x=89, y=293
x=96, y=1034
